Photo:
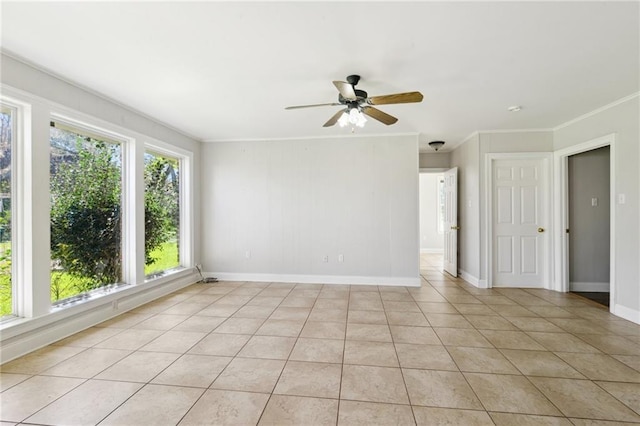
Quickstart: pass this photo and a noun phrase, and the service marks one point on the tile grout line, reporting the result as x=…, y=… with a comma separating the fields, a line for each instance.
x=404, y=380
x=344, y=348
x=264, y=409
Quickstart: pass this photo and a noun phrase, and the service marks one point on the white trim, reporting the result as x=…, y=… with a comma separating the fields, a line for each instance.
x=455, y=145
x=626, y=313
x=468, y=277
x=36, y=333
x=316, y=279
x=484, y=132
x=187, y=205
x=488, y=209
x=295, y=138
x=597, y=111
x=589, y=286
x=431, y=251
x=471, y=279
x=452, y=147
x=21, y=208
x=561, y=211
x=18, y=111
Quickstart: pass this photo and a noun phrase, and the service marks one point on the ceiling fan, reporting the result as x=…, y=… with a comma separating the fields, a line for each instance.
x=358, y=102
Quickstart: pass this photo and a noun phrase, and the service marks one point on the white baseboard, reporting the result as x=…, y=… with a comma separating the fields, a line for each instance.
x=317, y=279
x=31, y=334
x=471, y=279
x=589, y=286
x=468, y=277
x=626, y=313
x=431, y=251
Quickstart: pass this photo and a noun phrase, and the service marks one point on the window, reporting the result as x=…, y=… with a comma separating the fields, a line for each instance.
x=162, y=213
x=7, y=132
x=86, y=211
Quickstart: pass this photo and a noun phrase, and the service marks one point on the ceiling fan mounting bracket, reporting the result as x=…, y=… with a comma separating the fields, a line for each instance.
x=353, y=79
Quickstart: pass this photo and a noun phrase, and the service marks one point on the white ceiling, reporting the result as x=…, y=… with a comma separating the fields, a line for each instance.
x=225, y=71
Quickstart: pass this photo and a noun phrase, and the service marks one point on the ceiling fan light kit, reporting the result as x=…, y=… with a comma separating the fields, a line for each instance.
x=357, y=104
x=354, y=117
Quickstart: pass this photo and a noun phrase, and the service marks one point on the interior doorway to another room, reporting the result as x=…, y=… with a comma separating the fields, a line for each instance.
x=431, y=188
x=589, y=224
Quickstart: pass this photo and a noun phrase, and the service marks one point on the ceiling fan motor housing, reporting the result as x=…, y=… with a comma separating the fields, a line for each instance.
x=361, y=96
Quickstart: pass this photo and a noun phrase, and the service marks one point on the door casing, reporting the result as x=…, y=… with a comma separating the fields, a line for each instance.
x=561, y=212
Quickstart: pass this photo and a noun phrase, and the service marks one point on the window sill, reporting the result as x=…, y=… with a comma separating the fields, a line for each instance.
x=109, y=298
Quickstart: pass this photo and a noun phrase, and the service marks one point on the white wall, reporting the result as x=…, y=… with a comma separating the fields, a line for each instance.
x=435, y=160
x=622, y=119
x=430, y=240
x=288, y=204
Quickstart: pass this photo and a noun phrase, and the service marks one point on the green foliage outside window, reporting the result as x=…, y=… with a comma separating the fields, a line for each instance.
x=86, y=212
x=6, y=136
x=162, y=213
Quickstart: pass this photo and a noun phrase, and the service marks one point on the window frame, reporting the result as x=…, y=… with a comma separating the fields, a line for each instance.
x=16, y=111
x=34, y=311
x=186, y=208
x=84, y=128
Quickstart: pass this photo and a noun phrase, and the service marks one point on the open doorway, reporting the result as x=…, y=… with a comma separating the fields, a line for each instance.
x=589, y=220
x=431, y=188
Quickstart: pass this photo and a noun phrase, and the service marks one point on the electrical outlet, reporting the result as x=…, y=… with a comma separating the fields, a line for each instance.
x=594, y=202
x=325, y=259
x=340, y=258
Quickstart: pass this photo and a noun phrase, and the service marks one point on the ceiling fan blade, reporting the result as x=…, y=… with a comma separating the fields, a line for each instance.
x=376, y=114
x=346, y=90
x=396, y=98
x=312, y=106
x=333, y=120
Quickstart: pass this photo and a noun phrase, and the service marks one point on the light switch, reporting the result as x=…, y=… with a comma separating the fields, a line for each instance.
x=594, y=202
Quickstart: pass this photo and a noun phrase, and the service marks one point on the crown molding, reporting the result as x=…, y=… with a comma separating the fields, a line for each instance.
x=597, y=111
x=540, y=130
x=298, y=138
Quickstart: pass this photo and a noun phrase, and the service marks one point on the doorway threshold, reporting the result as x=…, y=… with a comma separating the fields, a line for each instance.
x=601, y=298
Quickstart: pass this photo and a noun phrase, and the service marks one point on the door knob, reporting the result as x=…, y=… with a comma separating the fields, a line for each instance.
x=455, y=228
x=540, y=230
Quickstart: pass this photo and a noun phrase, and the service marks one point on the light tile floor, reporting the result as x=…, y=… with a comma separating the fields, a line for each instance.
x=278, y=354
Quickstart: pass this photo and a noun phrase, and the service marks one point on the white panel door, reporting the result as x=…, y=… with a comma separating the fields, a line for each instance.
x=450, y=261
x=519, y=222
